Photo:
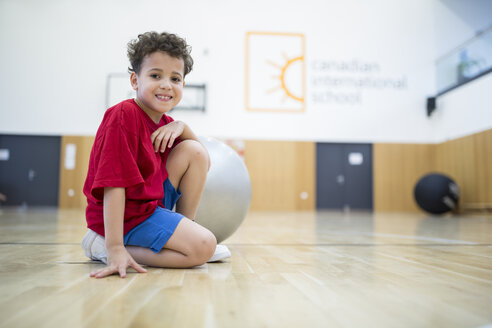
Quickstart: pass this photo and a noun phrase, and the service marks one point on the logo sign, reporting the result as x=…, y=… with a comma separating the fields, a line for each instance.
x=275, y=72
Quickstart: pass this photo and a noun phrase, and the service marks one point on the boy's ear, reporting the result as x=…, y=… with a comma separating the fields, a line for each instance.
x=133, y=80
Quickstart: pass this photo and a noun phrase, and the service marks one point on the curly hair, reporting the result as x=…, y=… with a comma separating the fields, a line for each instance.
x=150, y=42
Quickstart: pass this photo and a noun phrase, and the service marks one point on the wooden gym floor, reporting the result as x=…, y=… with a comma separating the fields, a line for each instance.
x=304, y=269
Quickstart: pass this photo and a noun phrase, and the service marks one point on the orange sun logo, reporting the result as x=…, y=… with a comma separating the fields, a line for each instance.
x=290, y=63
x=279, y=56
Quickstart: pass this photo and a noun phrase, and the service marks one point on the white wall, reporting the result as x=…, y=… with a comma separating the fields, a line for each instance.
x=57, y=54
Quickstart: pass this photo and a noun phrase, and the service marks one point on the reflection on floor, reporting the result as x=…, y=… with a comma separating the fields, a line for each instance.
x=292, y=269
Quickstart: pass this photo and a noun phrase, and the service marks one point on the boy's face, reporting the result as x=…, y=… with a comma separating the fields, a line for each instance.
x=159, y=84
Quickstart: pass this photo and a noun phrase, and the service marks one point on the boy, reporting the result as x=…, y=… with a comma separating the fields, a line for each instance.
x=141, y=163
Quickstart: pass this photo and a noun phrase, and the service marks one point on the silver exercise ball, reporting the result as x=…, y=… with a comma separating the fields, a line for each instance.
x=227, y=195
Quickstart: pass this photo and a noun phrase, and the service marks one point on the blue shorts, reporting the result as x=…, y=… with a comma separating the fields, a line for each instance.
x=154, y=232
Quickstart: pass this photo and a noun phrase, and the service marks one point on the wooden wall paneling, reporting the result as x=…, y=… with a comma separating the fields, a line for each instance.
x=397, y=168
x=280, y=171
x=465, y=158
x=72, y=180
x=480, y=177
x=305, y=175
x=483, y=166
x=488, y=163
x=269, y=164
x=381, y=177
x=456, y=159
x=445, y=162
x=468, y=161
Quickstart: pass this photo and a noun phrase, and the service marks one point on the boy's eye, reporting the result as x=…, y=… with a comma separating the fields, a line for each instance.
x=176, y=79
x=154, y=76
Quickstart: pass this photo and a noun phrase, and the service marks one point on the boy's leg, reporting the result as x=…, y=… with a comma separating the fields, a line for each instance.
x=187, y=166
x=190, y=245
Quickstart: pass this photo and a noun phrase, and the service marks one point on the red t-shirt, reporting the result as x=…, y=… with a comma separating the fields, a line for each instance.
x=123, y=156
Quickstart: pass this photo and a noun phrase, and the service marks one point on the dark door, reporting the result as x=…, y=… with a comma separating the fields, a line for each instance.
x=29, y=169
x=344, y=176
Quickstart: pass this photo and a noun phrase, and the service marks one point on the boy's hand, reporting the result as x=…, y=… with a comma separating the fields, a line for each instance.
x=165, y=135
x=118, y=261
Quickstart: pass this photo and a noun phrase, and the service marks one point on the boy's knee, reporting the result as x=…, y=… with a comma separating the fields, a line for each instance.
x=187, y=153
x=204, y=247
x=197, y=153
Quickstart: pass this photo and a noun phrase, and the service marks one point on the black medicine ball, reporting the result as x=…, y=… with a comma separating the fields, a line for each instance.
x=436, y=193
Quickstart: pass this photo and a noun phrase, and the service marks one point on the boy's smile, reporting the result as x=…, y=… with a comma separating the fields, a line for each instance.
x=159, y=84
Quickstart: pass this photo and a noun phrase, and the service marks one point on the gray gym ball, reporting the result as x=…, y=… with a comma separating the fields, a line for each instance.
x=227, y=194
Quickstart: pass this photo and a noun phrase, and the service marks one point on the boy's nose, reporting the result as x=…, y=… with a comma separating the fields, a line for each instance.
x=165, y=84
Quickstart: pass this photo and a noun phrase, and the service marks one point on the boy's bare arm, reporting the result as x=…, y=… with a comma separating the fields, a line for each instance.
x=118, y=257
x=114, y=211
